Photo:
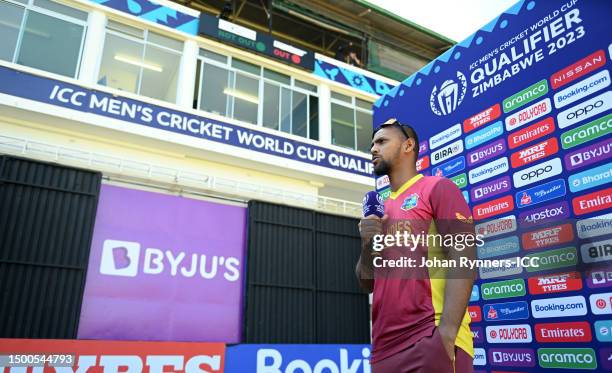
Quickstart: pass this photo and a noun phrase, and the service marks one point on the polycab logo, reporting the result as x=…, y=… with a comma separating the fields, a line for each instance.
x=491, y=189
x=482, y=118
x=599, y=278
x=592, y=202
x=578, y=331
x=539, y=172
x=450, y=95
x=496, y=227
x=512, y=357
x=585, y=110
x=422, y=163
x=546, y=237
x=601, y=304
x=447, y=152
x=588, y=155
x=486, y=152
x=579, y=69
x=541, y=193
x=475, y=313
x=506, y=311
x=531, y=133
x=559, y=307
x=534, y=153
x=445, y=136
x=553, y=212
x=509, y=334
x=594, y=252
x=582, y=89
x=555, y=283
x=529, y=114
x=493, y=208
x=120, y=258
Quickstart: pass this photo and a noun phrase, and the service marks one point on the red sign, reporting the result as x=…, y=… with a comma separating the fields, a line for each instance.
x=580, y=68
x=475, y=313
x=548, y=237
x=422, y=163
x=493, y=207
x=127, y=357
x=534, y=153
x=555, y=283
x=577, y=331
x=481, y=118
x=592, y=202
x=533, y=132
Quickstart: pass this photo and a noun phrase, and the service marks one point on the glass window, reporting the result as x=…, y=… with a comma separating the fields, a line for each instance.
x=363, y=124
x=343, y=125
x=165, y=41
x=214, y=91
x=246, y=98
x=300, y=114
x=213, y=56
x=121, y=61
x=286, y=110
x=271, y=106
x=273, y=75
x=246, y=67
x=128, y=30
x=341, y=97
x=11, y=17
x=363, y=104
x=352, y=124
x=62, y=9
x=159, y=74
x=313, y=117
x=306, y=86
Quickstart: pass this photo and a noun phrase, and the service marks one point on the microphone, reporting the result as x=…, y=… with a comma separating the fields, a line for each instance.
x=373, y=205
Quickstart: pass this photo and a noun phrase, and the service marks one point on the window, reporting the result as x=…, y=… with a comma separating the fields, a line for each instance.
x=42, y=34
x=351, y=122
x=247, y=92
x=140, y=61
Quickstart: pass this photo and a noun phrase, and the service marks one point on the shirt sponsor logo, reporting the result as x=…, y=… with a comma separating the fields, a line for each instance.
x=480, y=357
x=483, y=135
x=539, y=172
x=593, y=130
x=553, y=212
x=531, y=133
x=599, y=278
x=500, y=247
x=585, y=110
x=509, y=334
x=594, y=252
x=481, y=118
x=382, y=182
x=490, y=189
x=582, y=89
x=568, y=358
x=445, y=136
x=595, y=226
x=496, y=227
x=512, y=357
x=506, y=311
x=591, y=178
x=447, y=152
x=579, y=69
x=592, y=202
x=503, y=289
x=460, y=180
x=535, y=152
x=475, y=313
x=578, y=331
x=541, y=193
x=410, y=202
x=552, y=259
x=555, y=283
x=550, y=236
x=486, y=272
x=449, y=168
x=601, y=304
x=493, y=208
x=603, y=330
x=559, y=307
x=525, y=96
x=529, y=114
x=486, y=152
x=488, y=170
x=588, y=155
x=477, y=334
x=422, y=163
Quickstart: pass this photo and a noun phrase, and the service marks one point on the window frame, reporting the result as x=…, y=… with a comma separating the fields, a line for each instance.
x=356, y=108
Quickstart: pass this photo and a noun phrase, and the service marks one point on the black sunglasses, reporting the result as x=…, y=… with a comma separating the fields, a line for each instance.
x=395, y=122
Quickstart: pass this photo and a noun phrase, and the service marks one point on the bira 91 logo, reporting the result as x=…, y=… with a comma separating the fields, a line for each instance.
x=447, y=152
x=568, y=358
x=592, y=202
x=506, y=311
x=534, y=153
x=447, y=98
x=578, y=331
x=509, y=334
x=594, y=252
x=482, y=118
x=555, y=283
x=475, y=313
x=531, y=133
x=548, y=237
x=493, y=208
x=512, y=357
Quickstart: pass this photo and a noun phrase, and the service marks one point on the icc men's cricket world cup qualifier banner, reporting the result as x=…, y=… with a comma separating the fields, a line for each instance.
x=518, y=116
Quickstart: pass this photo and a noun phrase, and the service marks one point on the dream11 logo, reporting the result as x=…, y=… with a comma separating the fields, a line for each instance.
x=450, y=95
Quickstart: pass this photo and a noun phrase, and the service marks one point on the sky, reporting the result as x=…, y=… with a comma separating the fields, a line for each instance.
x=455, y=19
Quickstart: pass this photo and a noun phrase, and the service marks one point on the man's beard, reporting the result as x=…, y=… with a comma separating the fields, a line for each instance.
x=382, y=168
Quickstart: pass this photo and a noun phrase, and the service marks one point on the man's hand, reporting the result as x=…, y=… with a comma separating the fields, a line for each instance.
x=370, y=226
x=448, y=337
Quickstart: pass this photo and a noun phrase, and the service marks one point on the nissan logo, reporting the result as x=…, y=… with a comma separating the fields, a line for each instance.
x=536, y=173
x=585, y=110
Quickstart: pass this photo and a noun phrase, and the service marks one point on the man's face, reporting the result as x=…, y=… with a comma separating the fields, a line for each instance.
x=386, y=147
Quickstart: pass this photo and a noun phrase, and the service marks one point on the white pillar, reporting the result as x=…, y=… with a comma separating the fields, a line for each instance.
x=324, y=114
x=187, y=74
x=92, y=49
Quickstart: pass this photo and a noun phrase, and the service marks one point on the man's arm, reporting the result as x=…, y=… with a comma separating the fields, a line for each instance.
x=368, y=227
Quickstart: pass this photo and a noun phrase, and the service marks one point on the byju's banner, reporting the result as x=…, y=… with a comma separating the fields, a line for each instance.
x=519, y=117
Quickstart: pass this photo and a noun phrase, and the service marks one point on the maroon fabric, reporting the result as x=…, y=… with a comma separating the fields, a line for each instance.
x=426, y=356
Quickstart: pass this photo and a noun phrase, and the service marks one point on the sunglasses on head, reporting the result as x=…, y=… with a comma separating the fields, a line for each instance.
x=395, y=122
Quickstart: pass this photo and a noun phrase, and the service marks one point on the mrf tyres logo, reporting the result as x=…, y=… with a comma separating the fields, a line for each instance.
x=447, y=98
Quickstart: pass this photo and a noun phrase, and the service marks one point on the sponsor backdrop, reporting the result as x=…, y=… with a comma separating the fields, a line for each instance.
x=164, y=268
x=518, y=116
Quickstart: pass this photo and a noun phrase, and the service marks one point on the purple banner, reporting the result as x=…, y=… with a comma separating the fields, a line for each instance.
x=494, y=149
x=588, y=155
x=477, y=334
x=553, y=212
x=490, y=189
x=512, y=357
x=164, y=268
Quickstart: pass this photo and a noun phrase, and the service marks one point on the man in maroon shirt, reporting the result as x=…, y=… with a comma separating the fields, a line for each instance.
x=420, y=321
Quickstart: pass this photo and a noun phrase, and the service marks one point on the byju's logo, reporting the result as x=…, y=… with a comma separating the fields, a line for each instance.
x=450, y=95
x=120, y=258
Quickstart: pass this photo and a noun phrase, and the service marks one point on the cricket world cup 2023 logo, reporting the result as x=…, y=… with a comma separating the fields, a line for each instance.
x=450, y=95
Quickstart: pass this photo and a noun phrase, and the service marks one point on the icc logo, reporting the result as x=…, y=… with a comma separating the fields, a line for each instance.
x=450, y=95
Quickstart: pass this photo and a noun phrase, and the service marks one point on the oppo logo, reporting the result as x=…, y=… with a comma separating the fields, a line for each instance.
x=539, y=172
x=584, y=110
x=536, y=173
x=587, y=109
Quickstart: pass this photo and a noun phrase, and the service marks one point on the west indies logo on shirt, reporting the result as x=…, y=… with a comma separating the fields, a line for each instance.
x=410, y=202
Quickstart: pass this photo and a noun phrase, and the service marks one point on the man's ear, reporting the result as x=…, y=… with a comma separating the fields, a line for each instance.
x=408, y=145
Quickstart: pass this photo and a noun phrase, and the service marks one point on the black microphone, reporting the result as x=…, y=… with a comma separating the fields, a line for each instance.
x=373, y=205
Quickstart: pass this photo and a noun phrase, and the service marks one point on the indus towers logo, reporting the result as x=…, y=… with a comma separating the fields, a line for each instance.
x=447, y=98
